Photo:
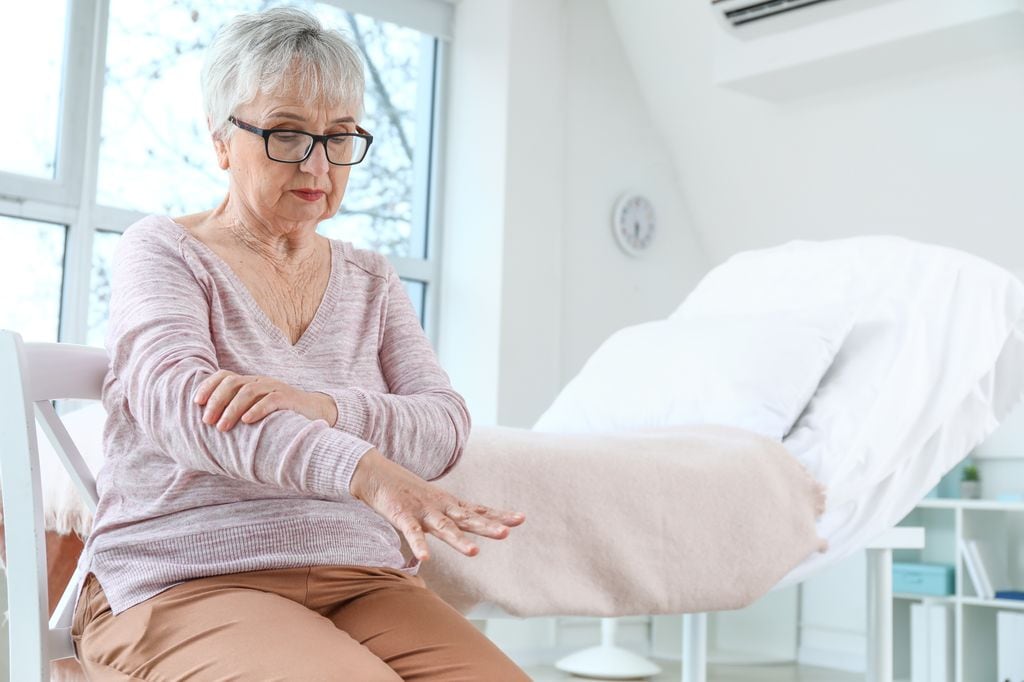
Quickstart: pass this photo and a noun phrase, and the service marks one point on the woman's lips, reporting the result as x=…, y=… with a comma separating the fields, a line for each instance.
x=308, y=196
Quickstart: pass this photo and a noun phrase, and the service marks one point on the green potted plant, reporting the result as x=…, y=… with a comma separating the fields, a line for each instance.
x=970, y=483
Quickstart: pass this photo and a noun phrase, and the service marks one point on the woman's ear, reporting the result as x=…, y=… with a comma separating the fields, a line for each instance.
x=219, y=146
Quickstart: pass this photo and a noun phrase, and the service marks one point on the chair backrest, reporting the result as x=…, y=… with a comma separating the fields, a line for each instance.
x=31, y=375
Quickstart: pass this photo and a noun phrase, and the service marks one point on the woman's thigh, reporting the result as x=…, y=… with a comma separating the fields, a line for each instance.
x=405, y=624
x=246, y=626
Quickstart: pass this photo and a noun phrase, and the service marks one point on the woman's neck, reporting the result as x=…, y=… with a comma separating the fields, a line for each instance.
x=285, y=246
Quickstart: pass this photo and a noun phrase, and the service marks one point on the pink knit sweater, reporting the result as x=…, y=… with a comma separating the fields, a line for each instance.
x=179, y=499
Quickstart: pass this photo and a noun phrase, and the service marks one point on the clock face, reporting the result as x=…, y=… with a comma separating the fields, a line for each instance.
x=633, y=223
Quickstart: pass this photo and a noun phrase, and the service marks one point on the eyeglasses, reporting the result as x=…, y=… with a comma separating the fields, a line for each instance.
x=295, y=146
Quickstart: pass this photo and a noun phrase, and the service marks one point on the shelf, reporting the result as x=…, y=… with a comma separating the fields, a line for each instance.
x=948, y=599
x=966, y=601
x=947, y=522
x=994, y=603
x=984, y=505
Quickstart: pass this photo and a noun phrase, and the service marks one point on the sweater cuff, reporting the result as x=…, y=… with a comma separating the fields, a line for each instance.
x=332, y=463
x=353, y=411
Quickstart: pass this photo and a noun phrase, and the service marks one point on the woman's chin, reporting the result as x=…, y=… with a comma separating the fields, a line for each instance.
x=315, y=211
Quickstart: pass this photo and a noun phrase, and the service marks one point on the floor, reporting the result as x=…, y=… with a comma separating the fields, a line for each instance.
x=719, y=673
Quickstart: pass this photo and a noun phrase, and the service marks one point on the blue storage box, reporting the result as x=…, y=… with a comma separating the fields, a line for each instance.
x=918, y=578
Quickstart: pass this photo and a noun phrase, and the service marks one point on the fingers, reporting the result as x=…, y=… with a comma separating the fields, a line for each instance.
x=234, y=395
x=446, y=529
x=264, y=406
x=416, y=507
x=209, y=384
x=507, y=518
x=245, y=400
x=447, y=526
x=469, y=520
x=413, y=532
x=220, y=389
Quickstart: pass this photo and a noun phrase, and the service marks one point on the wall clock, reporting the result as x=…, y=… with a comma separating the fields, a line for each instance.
x=633, y=223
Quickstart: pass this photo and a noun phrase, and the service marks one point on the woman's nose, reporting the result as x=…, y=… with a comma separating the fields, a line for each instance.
x=316, y=163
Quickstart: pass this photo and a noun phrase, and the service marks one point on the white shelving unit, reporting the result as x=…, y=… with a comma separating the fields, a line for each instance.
x=946, y=521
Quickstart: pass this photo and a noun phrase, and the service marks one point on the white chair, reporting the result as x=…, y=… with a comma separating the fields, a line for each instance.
x=31, y=375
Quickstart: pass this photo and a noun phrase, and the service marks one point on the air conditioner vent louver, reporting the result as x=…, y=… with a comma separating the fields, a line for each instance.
x=739, y=12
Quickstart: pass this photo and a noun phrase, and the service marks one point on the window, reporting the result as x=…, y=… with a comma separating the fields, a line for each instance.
x=153, y=126
x=32, y=262
x=416, y=291
x=40, y=55
x=103, y=244
x=132, y=140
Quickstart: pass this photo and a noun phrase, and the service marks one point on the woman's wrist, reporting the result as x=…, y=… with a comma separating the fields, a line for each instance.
x=362, y=477
x=328, y=408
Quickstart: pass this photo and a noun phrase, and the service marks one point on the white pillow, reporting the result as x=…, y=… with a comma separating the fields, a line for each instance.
x=752, y=371
x=929, y=325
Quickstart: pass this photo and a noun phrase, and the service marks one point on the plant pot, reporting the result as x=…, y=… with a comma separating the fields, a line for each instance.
x=970, y=490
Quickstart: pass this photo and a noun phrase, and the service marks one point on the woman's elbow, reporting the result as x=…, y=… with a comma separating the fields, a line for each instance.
x=459, y=428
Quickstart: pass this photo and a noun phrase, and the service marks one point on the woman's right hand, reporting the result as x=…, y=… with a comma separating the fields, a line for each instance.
x=415, y=507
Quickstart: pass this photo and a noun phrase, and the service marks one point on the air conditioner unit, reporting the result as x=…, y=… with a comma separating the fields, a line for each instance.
x=740, y=12
x=778, y=49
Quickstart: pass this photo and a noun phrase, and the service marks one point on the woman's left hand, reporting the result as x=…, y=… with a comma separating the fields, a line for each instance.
x=230, y=397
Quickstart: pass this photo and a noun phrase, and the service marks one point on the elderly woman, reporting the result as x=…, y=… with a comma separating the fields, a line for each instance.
x=275, y=413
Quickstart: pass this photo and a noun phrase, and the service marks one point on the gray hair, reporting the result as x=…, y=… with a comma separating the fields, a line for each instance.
x=254, y=53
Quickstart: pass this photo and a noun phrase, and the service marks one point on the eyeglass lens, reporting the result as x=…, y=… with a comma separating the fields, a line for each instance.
x=290, y=146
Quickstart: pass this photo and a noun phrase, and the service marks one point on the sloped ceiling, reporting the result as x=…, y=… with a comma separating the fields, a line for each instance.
x=935, y=155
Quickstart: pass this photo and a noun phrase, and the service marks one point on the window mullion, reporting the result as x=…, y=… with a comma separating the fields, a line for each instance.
x=114, y=219
x=435, y=183
x=423, y=126
x=15, y=187
x=29, y=209
x=84, y=146
x=81, y=37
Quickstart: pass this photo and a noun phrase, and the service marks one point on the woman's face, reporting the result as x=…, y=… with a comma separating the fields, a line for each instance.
x=273, y=191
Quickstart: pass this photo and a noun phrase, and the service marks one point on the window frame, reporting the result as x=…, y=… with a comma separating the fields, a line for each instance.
x=70, y=197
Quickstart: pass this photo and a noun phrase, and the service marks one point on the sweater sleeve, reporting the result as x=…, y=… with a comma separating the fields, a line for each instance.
x=160, y=347
x=422, y=423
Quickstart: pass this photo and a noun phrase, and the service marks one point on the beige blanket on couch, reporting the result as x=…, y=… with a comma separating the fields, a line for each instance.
x=687, y=520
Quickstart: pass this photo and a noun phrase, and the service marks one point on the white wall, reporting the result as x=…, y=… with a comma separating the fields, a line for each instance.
x=546, y=128
x=474, y=207
x=611, y=146
x=503, y=209
x=934, y=153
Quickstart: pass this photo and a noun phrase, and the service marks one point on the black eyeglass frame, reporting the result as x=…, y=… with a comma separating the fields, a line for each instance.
x=322, y=139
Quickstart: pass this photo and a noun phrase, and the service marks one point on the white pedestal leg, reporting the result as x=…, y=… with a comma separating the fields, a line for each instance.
x=607, y=661
x=879, y=615
x=695, y=647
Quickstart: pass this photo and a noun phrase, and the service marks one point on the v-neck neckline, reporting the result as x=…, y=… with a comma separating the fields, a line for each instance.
x=312, y=330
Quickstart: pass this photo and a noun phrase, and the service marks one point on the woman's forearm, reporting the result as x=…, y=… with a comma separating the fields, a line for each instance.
x=425, y=432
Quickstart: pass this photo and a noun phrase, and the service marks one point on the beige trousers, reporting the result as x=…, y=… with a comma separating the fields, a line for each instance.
x=307, y=624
